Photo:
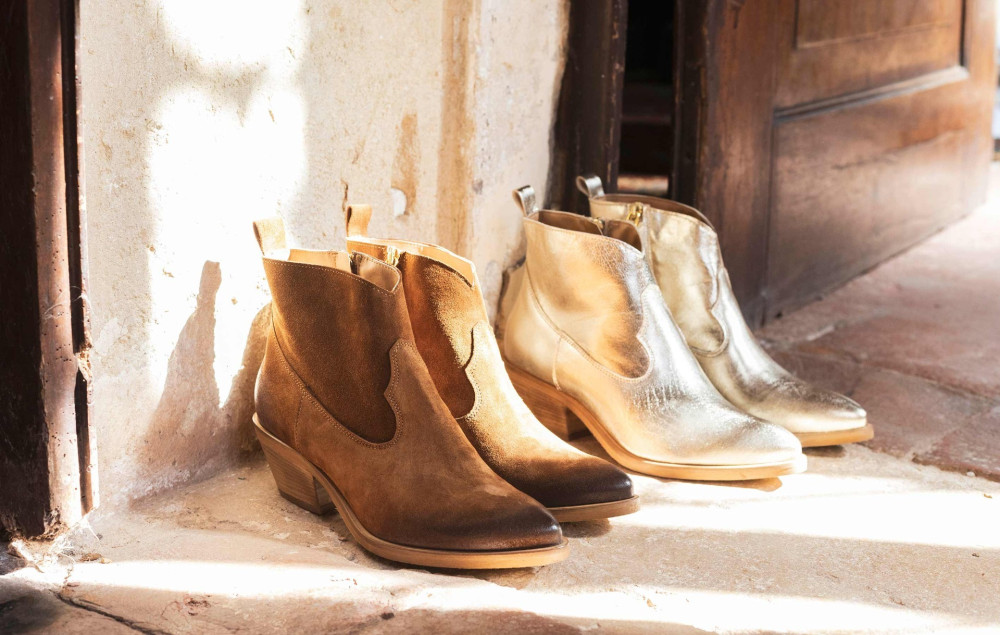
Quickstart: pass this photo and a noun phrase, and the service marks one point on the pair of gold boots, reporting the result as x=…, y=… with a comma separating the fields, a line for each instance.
x=624, y=323
x=382, y=393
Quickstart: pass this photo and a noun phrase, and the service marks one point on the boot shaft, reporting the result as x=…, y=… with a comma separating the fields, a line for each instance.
x=683, y=252
x=588, y=278
x=445, y=304
x=335, y=317
x=585, y=287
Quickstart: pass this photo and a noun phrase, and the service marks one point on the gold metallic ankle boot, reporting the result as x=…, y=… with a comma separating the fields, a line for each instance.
x=589, y=343
x=453, y=334
x=684, y=255
x=348, y=417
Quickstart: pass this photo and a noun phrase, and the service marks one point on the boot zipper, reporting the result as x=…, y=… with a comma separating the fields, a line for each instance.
x=635, y=211
x=391, y=256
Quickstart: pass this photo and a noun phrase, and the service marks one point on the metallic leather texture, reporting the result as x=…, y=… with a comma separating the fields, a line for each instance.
x=686, y=261
x=605, y=314
x=589, y=319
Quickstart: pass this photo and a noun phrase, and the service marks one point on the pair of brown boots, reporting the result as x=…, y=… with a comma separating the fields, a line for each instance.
x=382, y=393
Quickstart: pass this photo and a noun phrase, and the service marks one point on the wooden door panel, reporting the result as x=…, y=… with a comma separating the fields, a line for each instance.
x=829, y=135
x=846, y=46
x=853, y=184
x=821, y=21
x=872, y=150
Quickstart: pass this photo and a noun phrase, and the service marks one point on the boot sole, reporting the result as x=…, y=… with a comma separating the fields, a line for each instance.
x=836, y=437
x=595, y=511
x=569, y=418
x=304, y=484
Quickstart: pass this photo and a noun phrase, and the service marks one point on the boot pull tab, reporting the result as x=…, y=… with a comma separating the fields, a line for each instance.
x=358, y=217
x=590, y=184
x=270, y=234
x=525, y=197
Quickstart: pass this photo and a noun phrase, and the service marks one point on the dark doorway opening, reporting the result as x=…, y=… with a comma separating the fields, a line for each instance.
x=647, y=141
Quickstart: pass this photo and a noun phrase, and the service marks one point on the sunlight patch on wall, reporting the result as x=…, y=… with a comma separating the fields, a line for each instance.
x=223, y=152
x=234, y=34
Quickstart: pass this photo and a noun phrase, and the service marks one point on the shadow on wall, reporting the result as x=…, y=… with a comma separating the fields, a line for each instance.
x=195, y=124
x=191, y=421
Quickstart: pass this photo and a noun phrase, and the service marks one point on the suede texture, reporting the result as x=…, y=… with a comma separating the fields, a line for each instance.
x=343, y=384
x=453, y=335
x=317, y=310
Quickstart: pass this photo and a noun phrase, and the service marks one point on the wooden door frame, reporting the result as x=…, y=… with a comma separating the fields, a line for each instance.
x=723, y=45
x=46, y=450
x=588, y=123
x=587, y=131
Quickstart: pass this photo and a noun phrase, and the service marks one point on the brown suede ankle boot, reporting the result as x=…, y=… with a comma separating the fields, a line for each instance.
x=453, y=334
x=349, y=417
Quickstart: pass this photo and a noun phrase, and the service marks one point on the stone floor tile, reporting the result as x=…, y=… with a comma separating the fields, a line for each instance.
x=910, y=414
x=850, y=545
x=973, y=447
x=933, y=311
x=30, y=604
x=916, y=341
x=937, y=349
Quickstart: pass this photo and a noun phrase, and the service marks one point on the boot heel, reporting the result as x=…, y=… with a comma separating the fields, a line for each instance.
x=292, y=474
x=553, y=415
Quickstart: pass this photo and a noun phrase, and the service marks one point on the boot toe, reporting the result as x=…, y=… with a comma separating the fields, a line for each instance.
x=601, y=482
x=506, y=525
x=527, y=527
x=520, y=527
x=807, y=409
x=833, y=412
x=582, y=480
x=762, y=442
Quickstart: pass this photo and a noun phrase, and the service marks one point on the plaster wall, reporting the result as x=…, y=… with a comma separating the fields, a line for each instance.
x=199, y=117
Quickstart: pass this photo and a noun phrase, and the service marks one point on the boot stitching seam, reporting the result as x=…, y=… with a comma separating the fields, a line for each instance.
x=295, y=424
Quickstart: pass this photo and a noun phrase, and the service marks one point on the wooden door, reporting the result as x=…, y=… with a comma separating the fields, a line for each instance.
x=47, y=471
x=588, y=118
x=824, y=136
